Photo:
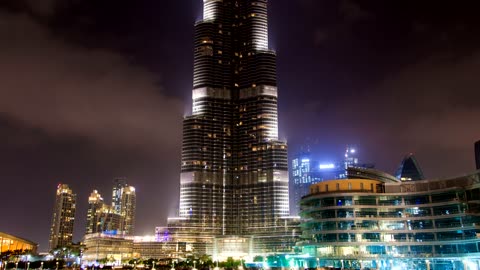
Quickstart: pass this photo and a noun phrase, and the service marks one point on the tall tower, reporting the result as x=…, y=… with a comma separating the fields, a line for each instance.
x=118, y=185
x=95, y=209
x=234, y=171
x=128, y=206
x=61, y=231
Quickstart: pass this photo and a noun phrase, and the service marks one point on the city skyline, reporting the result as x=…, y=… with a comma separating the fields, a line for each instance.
x=99, y=86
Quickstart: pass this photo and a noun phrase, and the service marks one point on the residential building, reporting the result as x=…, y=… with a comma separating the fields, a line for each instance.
x=61, y=230
x=117, y=218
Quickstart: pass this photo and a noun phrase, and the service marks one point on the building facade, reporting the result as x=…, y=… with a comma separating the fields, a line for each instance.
x=12, y=243
x=128, y=209
x=118, y=185
x=381, y=222
x=117, y=218
x=305, y=171
x=409, y=170
x=234, y=171
x=95, y=208
x=61, y=230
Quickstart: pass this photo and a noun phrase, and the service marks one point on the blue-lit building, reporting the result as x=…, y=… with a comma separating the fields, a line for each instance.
x=373, y=220
x=305, y=171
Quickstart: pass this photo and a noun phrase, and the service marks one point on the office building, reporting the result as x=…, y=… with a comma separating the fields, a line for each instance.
x=118, y=185
x=477, y=155
x=409, y=170
x=377, y=221
x=61, y=231
x=234, y=169
x=305, y=171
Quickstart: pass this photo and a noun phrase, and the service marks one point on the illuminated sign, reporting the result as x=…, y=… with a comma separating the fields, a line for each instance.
x=327, y=166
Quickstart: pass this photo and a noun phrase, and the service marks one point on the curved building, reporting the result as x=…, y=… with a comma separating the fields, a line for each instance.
x=13, y=243
x=387, y=224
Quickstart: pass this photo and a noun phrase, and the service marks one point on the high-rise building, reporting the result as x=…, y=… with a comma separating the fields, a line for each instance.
x=118, y=185
x=234, y=171
x=306, y=171
x=95, y=209
x=301, y=179
x=128, y=206
x=117, y=218
x=409, y=170
x=61, y=231
x=477, y=154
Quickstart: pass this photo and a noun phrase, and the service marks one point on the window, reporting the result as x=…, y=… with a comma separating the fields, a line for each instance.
x=361, y=186
x=349, y=186
x=338, y=186
x=326, y=188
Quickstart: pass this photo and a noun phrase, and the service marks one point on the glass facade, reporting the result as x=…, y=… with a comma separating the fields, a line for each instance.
x=387, y=224
x=234, y=171
x=409, y=170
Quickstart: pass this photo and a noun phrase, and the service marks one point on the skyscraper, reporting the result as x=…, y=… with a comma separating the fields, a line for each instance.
x=95, y=208
x=128, y=207
x=118, y=185
x=61, y=231
x=234, y=171
x=477, y=154
x=117, y=218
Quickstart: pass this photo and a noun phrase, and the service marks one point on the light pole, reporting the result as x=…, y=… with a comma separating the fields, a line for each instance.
x=16, y=266
x=57, y=265
x=28, y=265
x=194, y=265
x=41, y=265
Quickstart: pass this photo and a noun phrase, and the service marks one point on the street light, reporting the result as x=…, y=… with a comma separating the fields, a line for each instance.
x=194, y=265
x=28, y=265
x=41, y=265
x=57, y=265
x=16, y=266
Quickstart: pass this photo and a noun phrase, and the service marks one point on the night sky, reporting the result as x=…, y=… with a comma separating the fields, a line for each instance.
x=92, y=90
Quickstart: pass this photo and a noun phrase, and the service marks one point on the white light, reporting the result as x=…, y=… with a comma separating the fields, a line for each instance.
x=305, y=160
x=352, y=150
x=327, y=166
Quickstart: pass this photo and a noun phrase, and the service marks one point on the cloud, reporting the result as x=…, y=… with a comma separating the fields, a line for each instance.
x=70, y=91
